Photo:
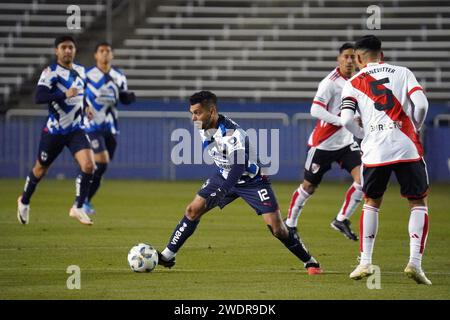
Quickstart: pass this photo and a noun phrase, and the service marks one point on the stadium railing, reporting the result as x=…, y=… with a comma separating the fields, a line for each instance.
x=146, y=143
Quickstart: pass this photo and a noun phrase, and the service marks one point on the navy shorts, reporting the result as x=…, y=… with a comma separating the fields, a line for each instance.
x=51, y=145
x=319, y=161
x=412, y=177
x=103, y=141
x=257, y=192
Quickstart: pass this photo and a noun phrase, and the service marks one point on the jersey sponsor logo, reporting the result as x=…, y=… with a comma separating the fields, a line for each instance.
x=391, y=125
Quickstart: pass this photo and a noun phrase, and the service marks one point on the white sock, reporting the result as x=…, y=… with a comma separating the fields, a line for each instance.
x=367, y=233
x=168, y=254
x=352, y=199
x=298, y=200
x=418, y=232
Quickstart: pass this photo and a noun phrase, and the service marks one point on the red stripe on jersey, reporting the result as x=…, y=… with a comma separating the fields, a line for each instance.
x=322, y=133
x=414, y=90
x=396, y=113
x=335, y=75
x=320, y=104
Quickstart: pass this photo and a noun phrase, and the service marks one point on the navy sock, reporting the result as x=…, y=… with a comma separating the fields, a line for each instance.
x=83, y=183
x=30, y=185
x=182, y=232
x=96, y=180
x=295, y=245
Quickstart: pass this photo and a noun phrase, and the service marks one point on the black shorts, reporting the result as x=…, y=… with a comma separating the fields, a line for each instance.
x=412, y=177
x=51, y=145
x=318, y=162
x=103, y=141
x=257, y=192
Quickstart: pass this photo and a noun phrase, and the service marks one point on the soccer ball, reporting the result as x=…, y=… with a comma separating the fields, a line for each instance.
x=142, y=258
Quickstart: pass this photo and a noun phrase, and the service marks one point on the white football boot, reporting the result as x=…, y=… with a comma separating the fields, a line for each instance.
x=361, y=271
x=23, y=211
x=417, y=274
x=80, y=215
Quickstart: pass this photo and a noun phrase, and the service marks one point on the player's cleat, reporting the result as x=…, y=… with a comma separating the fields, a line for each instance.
x=80, y=215
x=165, y=263
x=417, y=275
x=23, y=211
x=313, y=268
x=344, y=227
x=88, y=208
x=362, y=271
x=290, y=228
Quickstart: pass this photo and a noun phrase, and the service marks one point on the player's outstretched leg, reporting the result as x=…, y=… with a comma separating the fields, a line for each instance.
x=184, y=229
x=341, y=223
x=418, y=232
x=31, y=182
x=292, y=241
x=367, y=234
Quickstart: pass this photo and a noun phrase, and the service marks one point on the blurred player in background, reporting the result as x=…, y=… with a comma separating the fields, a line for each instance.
x=61, y=86
x=106, y=86
x=239, y=175
x=393, y=108
x=330, y=142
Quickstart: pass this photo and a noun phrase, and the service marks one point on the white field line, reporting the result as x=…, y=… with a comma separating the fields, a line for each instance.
x=181, y=270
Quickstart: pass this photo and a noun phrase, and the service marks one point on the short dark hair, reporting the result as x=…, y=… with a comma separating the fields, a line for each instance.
x=368, y=43
x=63, y=38
x=346, y=46
x=101, y=44
x=205, y=98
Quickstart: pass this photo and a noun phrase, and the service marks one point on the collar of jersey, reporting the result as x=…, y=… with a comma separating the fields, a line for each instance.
x=102, y=71
x=61, y=66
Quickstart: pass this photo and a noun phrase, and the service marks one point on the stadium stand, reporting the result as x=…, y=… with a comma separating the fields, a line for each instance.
x=247, y=50
x=27, y=31
x=266, y=50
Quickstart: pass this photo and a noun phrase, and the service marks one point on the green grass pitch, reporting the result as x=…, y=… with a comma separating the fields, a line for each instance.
x=232, y=255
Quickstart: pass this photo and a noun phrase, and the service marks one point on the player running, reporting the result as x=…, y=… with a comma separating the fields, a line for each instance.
x=239, y=175
x=61, y=86
x=106, y=86
x=330, y=142
x=393, y=107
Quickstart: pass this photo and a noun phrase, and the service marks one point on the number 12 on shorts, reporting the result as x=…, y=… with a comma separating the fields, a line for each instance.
x=263, y=195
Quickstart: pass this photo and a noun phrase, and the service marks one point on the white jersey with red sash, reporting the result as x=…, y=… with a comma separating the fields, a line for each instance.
x=380, y=93
x=327, y=136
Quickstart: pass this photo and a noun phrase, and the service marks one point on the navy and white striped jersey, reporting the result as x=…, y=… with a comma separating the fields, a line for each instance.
x=224, y=141
x=102, y=94
x=65, y=114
